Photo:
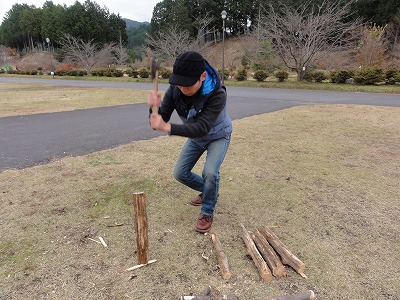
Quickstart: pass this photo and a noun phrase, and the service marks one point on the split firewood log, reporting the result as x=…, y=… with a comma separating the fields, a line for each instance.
x=258, y=260
x=288, y=258
x=269, y=255
x=221, y=258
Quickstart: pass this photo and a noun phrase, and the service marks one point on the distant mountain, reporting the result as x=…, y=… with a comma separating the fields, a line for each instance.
x=133, y=24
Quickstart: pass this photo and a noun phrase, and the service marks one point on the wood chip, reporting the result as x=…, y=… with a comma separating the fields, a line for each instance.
x=103, y=242
x=142, y=265
x=94, y=240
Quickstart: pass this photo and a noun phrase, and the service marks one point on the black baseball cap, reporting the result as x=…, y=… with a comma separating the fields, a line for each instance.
x=187, y=69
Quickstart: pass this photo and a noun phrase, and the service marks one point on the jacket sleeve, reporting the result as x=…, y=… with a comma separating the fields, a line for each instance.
x=202, y=123
x=167, y=105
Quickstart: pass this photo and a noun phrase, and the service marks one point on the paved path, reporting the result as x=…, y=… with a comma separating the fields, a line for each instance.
x=35, y=139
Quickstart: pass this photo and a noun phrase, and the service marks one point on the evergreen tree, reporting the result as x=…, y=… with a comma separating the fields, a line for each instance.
x=10, y=30
x=53, y=22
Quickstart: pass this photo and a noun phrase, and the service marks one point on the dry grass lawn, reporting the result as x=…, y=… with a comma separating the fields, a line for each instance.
x=23, y=98
x=326, y=179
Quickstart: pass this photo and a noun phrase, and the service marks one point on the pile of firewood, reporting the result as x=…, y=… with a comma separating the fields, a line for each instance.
x=270, y=254
x=267, y=251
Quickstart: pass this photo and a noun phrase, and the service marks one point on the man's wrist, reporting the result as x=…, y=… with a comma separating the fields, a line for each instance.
x=167, y=128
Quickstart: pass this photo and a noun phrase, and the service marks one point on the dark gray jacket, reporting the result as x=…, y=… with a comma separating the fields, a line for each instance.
x=204, y=114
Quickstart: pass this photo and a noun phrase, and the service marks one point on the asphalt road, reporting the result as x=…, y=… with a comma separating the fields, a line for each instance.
x=36, y=139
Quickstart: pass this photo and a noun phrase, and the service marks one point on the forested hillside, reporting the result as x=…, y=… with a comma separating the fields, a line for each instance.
x=370, y=29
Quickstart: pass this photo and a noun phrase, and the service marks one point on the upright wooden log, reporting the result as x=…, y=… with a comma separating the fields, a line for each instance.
x=288, y=258
x=261, y=265
x=309, y=295
x=221, y=258
x=269, y=255
x=142, y=241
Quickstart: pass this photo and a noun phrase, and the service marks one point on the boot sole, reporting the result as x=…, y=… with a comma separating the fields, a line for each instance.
x=202, y=230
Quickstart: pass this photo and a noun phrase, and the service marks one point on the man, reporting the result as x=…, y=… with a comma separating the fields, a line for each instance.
x=196, y=93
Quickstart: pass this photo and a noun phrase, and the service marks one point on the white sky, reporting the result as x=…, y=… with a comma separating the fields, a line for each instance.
x=136, y=10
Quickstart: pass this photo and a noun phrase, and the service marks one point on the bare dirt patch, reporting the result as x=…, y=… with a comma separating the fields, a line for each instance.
x=326, y=178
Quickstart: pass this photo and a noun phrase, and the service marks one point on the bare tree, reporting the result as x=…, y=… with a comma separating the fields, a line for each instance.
x=302, y=35
x=203, y=31
x=171, y=41
x=120, y=53
x=88, y=53
x=372, y=47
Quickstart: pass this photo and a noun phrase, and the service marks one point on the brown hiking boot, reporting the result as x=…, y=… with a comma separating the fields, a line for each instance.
x=197, y=201
x=204, y=223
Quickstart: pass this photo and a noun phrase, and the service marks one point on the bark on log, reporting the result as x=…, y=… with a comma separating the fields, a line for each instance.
x=261, y=265
x=142, y=241
x=309, y=295
x=221, y=258
x=288, y=258
x=269, y=255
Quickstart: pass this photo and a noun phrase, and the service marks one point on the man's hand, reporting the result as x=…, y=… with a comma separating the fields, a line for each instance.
x=154, y=101
x=157, y=123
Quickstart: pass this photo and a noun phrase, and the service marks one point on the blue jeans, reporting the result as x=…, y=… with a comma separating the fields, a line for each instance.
x=208, y=183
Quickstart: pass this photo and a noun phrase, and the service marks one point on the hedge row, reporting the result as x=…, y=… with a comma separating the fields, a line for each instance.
x=107, y=72
x=366, y=76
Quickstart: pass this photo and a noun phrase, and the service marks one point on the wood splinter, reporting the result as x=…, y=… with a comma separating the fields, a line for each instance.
x=103, y=242
x=221, y=258
x=258, y=260
x=141, y=265
x=288, y=258
x=309, y=295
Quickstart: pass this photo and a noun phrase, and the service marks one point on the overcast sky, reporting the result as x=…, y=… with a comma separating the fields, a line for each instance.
x=137, y=10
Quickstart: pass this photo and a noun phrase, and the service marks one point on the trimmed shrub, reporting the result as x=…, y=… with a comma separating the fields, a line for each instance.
x=392, y=76
x=62, y=69
x=108, y=72
x=112, y=72
x=144, y=73
x=133, y=73
x=226, y=73
x=369, y=76
x=308, y=76
x=260, y=75
x=282, y=75
x=340, y=76
x=61, y=72
x=314, y=76
x=165, y=73
x=241, y=75
x=76, y=73
x=319, y=76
